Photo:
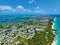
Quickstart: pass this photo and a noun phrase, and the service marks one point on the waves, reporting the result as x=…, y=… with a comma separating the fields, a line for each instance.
x=57, y=28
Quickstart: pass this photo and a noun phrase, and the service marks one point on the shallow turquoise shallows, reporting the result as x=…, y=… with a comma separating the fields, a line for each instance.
x=57, y=28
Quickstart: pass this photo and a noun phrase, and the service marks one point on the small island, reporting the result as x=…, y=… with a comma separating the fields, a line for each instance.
x=34, y=31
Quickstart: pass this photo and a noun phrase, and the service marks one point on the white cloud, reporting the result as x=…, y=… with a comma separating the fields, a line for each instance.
x=55, y=10
x=37, y=7
x=20, y=7
x=28, y=11
x=31, y=1
x=38, y=10
x=5, y=8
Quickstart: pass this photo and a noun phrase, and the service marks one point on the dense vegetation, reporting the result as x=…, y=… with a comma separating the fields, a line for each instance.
x=40, y=28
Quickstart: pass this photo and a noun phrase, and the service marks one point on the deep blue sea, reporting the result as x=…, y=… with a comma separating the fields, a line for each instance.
x=6, y=19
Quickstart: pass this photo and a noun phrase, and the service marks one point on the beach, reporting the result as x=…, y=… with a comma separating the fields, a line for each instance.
x=54, y=41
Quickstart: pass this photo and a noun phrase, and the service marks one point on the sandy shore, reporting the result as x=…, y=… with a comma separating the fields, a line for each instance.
x=54, y=41
x=53, y=26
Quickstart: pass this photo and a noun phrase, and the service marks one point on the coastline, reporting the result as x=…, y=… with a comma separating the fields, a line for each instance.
x=54, y=40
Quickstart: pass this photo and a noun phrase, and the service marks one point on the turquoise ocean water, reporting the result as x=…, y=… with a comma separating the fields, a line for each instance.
x=57, y=28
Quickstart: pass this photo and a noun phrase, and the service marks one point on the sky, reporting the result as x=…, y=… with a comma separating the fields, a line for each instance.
x=29, y=6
